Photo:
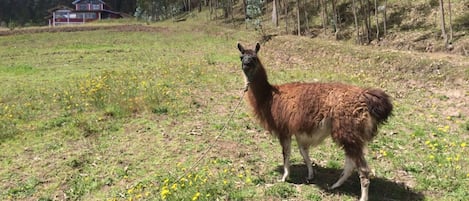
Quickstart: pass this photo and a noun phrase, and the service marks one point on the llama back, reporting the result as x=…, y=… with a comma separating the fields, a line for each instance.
x=379, y=104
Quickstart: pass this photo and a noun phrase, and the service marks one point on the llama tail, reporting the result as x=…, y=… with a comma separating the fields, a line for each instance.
x=379, y=104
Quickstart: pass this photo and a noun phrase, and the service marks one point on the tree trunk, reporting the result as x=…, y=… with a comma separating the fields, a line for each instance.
x=443, y=28
x=286, y=15
x=215, y=9
x=275, y=13
x=231, y=12
x=200, y=6
x=306, y=15
x=377, y=20
x=384, y=17
x=354, y=10
x=366, y=11
x=324, y=15
x=450, y=21
x=210, y=8
x=298, y=16
x=365, y=15
x=334, y=15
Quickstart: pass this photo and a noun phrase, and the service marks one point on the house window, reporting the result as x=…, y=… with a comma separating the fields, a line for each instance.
x=90, y=15
x=61, y=14
x=95, y=7
x=82, y=6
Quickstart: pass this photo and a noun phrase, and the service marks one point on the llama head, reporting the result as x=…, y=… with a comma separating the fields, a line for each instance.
x=249, y=61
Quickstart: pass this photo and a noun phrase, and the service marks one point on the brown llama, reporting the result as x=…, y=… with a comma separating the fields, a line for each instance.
x=313, y=111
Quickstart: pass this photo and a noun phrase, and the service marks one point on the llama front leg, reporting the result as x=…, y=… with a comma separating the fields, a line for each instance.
x=286, y=151
x=348, y=169
x=304, y=151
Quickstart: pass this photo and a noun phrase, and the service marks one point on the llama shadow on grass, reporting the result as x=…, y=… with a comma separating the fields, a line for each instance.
x=380, y=188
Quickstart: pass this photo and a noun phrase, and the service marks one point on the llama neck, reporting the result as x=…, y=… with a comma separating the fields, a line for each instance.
x=259, y=89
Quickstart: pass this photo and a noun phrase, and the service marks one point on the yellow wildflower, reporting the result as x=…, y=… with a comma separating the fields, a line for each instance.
x=463, y=144
x=164, y=193
x=196, y=196
x=248, y=180
x=383, y=153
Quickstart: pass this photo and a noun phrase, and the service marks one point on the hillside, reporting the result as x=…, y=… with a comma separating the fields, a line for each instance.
x=410, y=25
x=124, y=113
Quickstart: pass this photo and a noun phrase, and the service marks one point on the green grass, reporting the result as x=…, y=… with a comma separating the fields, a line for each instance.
x=124, y=115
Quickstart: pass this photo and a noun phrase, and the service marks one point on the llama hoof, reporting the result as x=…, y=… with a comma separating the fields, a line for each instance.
x=363, y=199
x=332, y=187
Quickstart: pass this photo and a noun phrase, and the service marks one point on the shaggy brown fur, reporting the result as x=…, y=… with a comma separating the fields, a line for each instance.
x=313, y=111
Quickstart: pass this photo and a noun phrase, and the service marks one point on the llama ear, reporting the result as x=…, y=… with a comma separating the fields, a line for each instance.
x=258, y=47
x=241, y=48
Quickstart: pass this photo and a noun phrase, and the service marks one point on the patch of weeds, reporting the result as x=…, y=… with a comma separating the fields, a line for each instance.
x=90, y=125
x=413, y=167
x=80, y=185
x=314, y=197
x=465, y=126
x=334, y=164
x=9, y=119
x=114, y=111
x=209, y=58
x=78, y=163
x=24, y=189
x=443, y=97
x=58, y=122
x=418, y=132
x=282, y=190
x=218, y=179
x=8, y=129
x=19, y=69
x=242, y=194
x=462, y=22
x=159, y=110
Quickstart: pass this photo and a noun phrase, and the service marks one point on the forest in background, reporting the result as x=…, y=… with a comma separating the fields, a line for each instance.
x=364, y=21
x=34, y=12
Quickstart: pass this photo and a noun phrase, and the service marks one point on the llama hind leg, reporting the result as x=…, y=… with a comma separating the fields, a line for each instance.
x=304, y=151
x=348, y=170
x=364, y=172
x=286, y=151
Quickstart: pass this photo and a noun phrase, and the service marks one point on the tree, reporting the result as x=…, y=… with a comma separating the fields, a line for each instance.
x=298, y=16
x=450, y=21
x=334, y=15
x=377, y=19
x=286, y=15
x=254, y=12
x=442, y=21
x=275, y=13
x=384, y=17
x=324, y=15
x=355, y=18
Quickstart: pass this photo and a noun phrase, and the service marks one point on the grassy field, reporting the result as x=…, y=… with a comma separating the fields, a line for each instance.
x=124, y=113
